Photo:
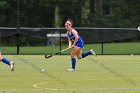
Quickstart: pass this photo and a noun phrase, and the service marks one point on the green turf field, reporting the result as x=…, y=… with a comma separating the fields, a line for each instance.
x=124, y=48
x=104, y=74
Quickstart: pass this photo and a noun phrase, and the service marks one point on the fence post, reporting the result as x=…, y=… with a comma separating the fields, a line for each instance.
x=102, y=48
x=60, y=42
x=18, y=24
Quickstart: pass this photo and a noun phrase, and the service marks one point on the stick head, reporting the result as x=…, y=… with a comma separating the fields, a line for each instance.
x=48, y=56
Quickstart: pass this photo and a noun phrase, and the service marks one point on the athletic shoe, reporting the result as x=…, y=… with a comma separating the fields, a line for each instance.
x=12, y=65
x=93, y=53
x=71, y=69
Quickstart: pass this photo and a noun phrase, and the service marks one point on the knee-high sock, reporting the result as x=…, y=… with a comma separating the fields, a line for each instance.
x=73, y=61
x=6, y=61
x=86, y=54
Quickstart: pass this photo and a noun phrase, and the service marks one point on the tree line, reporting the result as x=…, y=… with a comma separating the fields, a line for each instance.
x=84, y=13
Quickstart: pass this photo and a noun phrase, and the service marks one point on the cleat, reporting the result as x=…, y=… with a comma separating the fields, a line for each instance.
x=93, y=53
x=71, y=69
x=12, y=65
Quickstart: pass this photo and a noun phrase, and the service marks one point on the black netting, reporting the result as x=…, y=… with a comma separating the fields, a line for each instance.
x=7, y=31
x=51, y=40
x=91, y=35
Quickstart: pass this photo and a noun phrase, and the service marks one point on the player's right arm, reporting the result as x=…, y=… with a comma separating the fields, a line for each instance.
x=69, y=41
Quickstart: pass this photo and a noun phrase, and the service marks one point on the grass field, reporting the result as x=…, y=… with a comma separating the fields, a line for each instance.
x=108, y=48
x=103, y=74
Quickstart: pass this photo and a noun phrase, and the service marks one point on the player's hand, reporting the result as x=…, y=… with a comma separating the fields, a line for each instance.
x=72, y=46
x=69, y=47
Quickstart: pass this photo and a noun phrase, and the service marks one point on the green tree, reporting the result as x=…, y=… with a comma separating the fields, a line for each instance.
x=53, y=13
x=7, y=13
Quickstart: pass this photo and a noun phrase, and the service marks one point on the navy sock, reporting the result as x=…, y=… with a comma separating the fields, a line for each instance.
x=5, y=60
x=86, y=54
x=73, y=60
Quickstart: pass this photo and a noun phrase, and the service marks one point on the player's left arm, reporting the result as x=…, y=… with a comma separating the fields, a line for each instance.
x=74, y=32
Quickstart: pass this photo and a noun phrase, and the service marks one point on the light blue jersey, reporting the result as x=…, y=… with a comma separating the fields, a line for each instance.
x=79, y=43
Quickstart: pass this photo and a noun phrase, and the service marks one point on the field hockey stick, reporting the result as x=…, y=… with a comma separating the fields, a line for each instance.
x=48, y=56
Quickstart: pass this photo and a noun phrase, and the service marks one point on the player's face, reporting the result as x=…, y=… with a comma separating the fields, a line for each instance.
x=67, y=26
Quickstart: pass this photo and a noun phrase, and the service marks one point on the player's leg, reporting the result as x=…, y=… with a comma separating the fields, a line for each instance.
x=73, y=59
x=85, y=54
x=8, y=62
x=93, y=53
x=79, y=54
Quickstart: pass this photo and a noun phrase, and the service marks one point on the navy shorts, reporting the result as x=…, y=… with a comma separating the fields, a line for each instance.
x=80, y=44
